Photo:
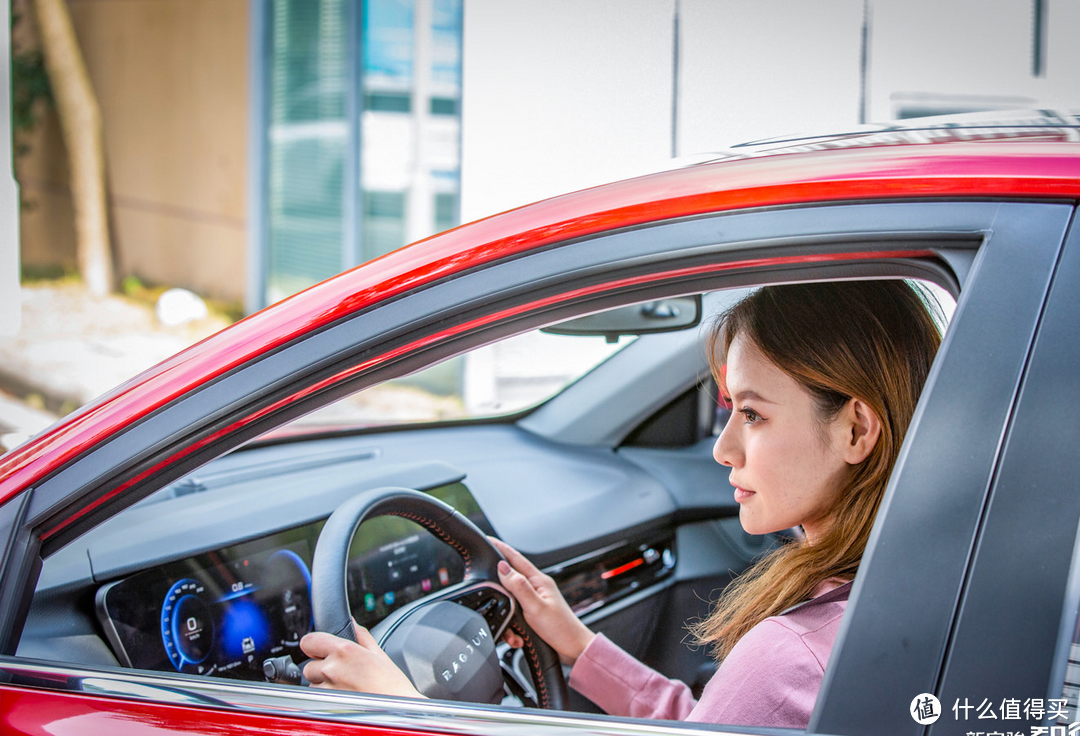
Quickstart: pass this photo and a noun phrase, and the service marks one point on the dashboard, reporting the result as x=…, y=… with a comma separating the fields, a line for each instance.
x=210, y=576
x=224, y=612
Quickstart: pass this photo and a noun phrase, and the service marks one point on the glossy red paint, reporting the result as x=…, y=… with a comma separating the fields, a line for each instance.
x=472, y=325
x=964, y=169
x=42, y=713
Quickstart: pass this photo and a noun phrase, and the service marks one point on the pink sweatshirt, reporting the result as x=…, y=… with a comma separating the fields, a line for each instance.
x=770, y=678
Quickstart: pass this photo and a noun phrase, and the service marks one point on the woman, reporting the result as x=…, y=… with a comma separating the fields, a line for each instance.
x=823, y=380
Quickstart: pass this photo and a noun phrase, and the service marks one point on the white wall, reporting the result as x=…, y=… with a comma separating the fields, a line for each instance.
x=561, y=95
x=974, y=50
x=1062, y=84
x=752, y=70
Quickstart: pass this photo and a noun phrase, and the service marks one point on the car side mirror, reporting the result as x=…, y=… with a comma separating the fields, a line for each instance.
x=661, y=315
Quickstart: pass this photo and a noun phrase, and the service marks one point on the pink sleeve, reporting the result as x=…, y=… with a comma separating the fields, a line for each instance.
x=623, y=686
x=770, y=679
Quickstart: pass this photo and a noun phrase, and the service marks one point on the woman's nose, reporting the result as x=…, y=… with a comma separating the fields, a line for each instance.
x=725, y=451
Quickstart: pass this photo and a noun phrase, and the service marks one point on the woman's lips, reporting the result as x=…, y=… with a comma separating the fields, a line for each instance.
x=742, y=496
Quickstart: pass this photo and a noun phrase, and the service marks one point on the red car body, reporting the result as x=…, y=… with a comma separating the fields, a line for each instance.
x=1024, y=169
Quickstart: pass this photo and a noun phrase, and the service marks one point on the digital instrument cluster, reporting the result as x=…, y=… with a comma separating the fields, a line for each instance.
x=225, y=612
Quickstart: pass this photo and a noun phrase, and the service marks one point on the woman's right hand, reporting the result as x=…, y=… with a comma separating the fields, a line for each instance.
x=545, y=609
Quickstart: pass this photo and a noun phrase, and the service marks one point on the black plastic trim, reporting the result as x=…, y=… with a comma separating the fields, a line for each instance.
x=892, y=644
x=19, y=567
x=1014, y=597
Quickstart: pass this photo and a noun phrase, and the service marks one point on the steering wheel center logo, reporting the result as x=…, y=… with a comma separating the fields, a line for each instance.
x=459, y=662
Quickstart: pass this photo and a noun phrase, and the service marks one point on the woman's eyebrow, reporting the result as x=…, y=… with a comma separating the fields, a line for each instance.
x=750, y=394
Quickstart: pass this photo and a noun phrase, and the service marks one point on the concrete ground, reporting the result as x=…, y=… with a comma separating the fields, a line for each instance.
x=72, y=347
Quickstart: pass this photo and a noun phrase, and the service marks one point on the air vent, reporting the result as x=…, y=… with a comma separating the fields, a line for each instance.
x=595, y=580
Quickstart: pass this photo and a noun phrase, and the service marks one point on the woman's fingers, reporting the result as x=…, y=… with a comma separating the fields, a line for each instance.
x=327, y=653
x=363, y=636
x=345, y=665
x=545, y=609
x=539, y=583
x=517, y=560
x=313, y=672
x=519, y=586
x=513, y=639
x=319, y=644
x=324, y=650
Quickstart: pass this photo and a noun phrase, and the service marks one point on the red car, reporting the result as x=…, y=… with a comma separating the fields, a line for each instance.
x=158, y=562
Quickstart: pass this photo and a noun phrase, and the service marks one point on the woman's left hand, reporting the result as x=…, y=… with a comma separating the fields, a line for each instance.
x=340, y=664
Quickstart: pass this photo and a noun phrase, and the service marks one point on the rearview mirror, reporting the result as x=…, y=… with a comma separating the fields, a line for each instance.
x=662, y=315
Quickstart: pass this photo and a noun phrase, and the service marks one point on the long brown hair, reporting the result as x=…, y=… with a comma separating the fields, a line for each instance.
x=874, y=340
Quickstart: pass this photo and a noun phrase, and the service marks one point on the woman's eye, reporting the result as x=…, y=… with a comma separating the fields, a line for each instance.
x=749, y=415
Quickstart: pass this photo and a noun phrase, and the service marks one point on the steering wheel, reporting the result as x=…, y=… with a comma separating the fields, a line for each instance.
x=444, y=642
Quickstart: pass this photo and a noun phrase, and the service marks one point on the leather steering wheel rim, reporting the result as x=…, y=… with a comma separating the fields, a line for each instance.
x=329, y=586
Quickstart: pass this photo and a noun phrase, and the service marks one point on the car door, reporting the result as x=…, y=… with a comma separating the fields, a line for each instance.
x=959, y=594
x=1002, y=254
x=1012, y=639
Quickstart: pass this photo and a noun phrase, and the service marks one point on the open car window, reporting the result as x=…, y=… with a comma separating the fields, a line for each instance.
x=504, y=378
x=496, y=380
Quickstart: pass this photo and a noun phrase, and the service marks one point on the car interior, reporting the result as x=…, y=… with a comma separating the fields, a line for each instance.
x=598, y=468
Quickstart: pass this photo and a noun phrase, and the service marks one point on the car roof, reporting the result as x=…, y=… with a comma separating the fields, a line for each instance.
x=1005, y=166
x=1030, y=125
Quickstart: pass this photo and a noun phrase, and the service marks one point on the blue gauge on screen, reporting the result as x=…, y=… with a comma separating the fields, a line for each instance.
x=187, y=630
x=245, y=631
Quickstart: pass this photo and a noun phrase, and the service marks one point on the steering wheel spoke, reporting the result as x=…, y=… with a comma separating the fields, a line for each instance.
x=491, y=601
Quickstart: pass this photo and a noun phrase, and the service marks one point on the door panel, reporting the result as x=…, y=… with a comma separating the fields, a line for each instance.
x=1007, y=633
x=895, y=637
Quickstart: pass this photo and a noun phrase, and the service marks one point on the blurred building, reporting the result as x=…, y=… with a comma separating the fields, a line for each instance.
x=258, y=146
x=360, y=139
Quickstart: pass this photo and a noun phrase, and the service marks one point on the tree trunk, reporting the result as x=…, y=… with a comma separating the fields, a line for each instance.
x=80, y=123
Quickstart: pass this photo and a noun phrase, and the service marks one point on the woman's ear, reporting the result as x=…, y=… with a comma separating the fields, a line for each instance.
x=862, y=430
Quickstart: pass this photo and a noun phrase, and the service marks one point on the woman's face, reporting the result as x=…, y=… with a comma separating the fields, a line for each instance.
x=786, y=465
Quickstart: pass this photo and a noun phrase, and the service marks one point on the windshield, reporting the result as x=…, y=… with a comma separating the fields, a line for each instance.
x=495, y=380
